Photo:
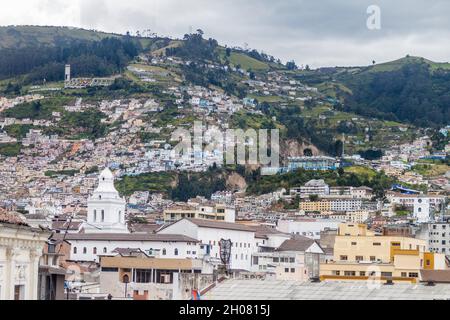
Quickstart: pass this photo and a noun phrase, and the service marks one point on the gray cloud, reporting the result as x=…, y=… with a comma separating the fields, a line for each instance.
x=326, y=32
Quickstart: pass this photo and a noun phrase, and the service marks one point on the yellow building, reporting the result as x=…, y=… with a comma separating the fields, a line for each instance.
x=359, y=254
x=318, y=206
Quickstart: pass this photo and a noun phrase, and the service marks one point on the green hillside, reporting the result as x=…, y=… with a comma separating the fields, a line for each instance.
x=26, y=36
x=398, y=64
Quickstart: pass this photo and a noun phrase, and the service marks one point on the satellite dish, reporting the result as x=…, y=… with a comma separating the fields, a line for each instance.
x=225, y=251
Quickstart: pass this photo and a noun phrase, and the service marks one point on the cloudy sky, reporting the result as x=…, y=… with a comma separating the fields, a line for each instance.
x=314, y=32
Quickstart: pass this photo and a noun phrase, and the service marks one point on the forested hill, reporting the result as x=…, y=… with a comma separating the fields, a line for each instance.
x=412, y=89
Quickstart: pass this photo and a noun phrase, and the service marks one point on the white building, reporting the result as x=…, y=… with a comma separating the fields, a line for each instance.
x=422, y=212
x=309, y=228
x=437, y=234
x=21, y=248
x=313, y=187
x=409, y=200
x=106, y=209
x=209, y=233
x=294, y=260
x=89, y=246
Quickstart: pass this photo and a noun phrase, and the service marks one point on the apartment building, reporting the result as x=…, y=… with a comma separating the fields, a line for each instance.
x=437, y=234
x=360, y=254
x=296, y=259
x=320, y=188
x=332, y=204
x=313, y=187
x=207, y=211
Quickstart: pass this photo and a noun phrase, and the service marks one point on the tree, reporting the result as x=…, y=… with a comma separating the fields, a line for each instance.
x=339, y=148
x=290, y=65
x=308, y=152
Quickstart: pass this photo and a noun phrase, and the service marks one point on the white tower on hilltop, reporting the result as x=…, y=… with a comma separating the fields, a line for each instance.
x=106, y=209
x=67, y=73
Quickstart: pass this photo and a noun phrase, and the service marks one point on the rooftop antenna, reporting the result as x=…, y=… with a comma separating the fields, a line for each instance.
x=225, y=253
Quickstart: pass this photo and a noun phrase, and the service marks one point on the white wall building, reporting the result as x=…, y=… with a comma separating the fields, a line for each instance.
x=294, y=260
x=88, y=247
x=21, y=248
x=422, y=210
x=309, y=228
x=437, y=234
x=209, y=233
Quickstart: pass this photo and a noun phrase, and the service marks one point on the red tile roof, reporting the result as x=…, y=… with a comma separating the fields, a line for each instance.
x=14, y=218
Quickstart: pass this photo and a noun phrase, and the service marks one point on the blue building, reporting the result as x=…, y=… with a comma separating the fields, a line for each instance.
x=320, y=163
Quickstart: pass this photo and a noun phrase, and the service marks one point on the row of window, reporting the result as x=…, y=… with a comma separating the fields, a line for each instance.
x=358, y=258
x=237, y=244
x=105, y=250
x=444, y=242
x=283, y=259
x=373, y=274
x=94, y=250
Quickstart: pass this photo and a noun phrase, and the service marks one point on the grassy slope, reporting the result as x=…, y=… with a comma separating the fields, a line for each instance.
x=397, y=64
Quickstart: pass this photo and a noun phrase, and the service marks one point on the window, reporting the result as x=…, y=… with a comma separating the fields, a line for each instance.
x=84, y=250
x=74, y=250
x=291, y=260
x=359, y=258
x=292, y=270
x=105, y=250
x=286, y=270
x=362, y=273
x=176, y=252
x=103, y=215
x=386, y=274
x=404, y=275
x=106, y=269
x=413, y=275
x=354, y=243
x=19, y=292
x=164, y=252
x=377, y=244
x=337, y=273
x=94, y=250
x=373, y=258
x=343, y=258
x=276, y=259
x=143, y=276
x=95, y=215
x=349, y=273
